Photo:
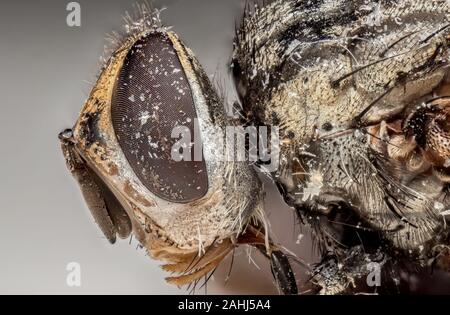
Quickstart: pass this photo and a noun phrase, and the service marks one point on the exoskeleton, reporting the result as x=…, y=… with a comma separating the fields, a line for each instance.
x=360, y=92
x=189, y=212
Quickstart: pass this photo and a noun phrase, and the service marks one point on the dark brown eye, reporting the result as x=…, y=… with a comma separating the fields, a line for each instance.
x=151, y=98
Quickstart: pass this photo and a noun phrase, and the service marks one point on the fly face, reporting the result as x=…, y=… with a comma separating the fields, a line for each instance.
x=146, y=151
x=346, y=82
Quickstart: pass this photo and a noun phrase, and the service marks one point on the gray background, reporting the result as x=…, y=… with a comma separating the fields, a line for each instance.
x=44, y=225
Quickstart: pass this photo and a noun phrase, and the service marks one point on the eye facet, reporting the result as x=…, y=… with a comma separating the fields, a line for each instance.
x=153, y=96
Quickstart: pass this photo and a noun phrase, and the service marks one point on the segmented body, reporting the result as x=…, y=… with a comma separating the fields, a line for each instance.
x=340, y=78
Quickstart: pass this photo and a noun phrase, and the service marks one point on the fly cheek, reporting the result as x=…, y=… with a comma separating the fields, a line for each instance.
x=151, y=98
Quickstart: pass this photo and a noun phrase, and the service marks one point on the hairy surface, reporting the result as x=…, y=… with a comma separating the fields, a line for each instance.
x=120, y=152
x=352, y=85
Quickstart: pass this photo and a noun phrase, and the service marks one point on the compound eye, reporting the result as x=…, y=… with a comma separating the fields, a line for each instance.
x=152, y=97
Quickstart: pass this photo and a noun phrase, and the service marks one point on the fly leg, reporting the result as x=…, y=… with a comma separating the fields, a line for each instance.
x=281, y=270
